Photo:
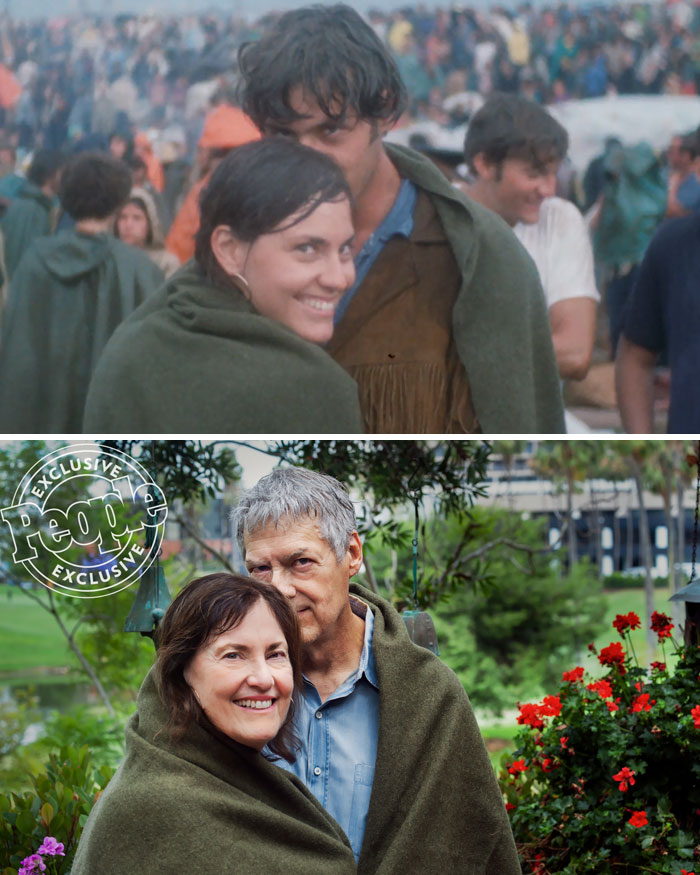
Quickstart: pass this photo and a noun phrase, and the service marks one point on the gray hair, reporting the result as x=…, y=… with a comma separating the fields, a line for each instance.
x=298, y=493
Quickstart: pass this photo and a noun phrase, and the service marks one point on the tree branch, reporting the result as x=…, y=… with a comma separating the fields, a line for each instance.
x=203, y=544
x=90, y=671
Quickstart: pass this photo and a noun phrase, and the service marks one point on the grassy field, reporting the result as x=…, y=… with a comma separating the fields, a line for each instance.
x=30, y=640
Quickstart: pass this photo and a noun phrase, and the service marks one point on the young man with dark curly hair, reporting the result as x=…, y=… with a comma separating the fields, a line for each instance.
x=68, y=294
x=445, y=329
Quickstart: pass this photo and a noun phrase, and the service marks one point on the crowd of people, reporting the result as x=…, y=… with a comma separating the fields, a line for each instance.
x=114, y=132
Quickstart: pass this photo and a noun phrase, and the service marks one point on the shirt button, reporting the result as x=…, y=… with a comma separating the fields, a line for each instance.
x=319, y=714
x=317, y=770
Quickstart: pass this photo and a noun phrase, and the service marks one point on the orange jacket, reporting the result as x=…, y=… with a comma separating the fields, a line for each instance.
x=180, y=239
x=225, y=127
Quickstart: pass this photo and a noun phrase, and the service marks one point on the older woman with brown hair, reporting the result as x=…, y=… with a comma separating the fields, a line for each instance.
x=197, y=791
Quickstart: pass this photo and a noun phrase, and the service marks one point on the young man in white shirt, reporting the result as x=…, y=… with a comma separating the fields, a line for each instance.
x=514, y=148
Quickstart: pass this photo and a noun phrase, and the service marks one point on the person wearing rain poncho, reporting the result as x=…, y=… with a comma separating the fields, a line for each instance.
x=69, y=293
x=30, y=214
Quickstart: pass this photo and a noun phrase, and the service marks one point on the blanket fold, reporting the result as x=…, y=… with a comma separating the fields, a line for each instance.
x=204, y=805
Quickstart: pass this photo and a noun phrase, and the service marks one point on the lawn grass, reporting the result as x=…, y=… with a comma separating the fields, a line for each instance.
x=30, y=640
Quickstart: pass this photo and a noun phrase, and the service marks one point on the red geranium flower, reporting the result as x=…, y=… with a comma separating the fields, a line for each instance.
x=530, y=716
x=695, y=714
x=613, y=654
x=658, y=666
x=642, y=703
x=509, y=806
x=625, y=778
x=516, y=767
x=576, y=674
x=551, y=706
x=638, y=819
x=602, y=687
x=661, y=624
x=622, y=622
x=612, y=706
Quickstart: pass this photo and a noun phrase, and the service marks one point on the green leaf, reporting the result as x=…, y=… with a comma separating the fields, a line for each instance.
x=47, y=814
x=25, y=823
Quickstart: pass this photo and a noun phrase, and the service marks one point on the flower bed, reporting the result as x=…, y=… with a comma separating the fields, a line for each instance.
x=605, y=778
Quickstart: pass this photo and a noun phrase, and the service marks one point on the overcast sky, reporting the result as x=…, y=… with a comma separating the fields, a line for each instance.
x=249, y=8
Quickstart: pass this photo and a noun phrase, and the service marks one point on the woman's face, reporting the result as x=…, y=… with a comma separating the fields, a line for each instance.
x=117, y=146
x=297, y=276
x=243, y=678
x=132, y=225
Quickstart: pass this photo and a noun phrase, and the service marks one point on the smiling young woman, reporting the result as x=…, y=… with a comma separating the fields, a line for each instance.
x=233, y=339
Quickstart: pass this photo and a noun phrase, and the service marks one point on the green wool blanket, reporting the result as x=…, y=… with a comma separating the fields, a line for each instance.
x=204, y=806
x=435, y=808
x=197, y=358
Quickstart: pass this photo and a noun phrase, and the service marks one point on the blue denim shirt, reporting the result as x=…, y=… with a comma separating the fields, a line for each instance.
x=399, y=220
x=339, y=740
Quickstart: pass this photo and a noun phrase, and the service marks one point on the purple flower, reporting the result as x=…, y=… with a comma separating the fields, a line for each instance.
x=52, y=848
x=32, y=865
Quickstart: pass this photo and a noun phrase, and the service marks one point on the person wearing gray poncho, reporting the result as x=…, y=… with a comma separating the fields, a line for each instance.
x=194, y=794
x=390, y=743
x=232, y=342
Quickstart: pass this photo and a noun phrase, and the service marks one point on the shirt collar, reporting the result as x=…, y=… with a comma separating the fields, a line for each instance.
x=367, y=664
x=399, y=219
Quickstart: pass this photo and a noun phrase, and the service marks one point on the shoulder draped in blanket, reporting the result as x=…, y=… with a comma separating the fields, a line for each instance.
x=207, y=806
x=499, y=322
x=197, y=357
x=435, y=808
x=67, y=296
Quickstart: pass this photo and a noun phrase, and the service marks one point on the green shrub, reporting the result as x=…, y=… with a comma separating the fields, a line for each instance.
x=57, y=806
x=606, y=774
x=618, y=580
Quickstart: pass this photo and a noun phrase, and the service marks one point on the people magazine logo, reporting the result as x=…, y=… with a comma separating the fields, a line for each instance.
x=87, y=520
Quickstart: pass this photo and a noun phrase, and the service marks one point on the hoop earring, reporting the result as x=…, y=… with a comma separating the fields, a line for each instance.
x=245, y=290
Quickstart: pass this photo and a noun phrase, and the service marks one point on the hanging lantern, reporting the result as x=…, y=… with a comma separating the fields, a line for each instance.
x=151, y=602
x=152, y=597
x=420, y=626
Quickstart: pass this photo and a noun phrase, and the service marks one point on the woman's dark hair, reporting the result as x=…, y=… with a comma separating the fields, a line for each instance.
x=333, y=55
x=257, y=187
x=94, y=185
x=510, y=126
x=207, y=607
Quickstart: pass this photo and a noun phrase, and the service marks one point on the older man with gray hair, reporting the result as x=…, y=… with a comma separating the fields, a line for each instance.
x=390, y=746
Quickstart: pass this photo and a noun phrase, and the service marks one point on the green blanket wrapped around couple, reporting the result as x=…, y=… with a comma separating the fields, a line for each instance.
x=208, y=806
x=436, y=808
x=204, y=805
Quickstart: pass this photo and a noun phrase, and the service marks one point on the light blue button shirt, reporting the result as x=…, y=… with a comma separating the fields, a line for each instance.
x=339, y=738
x=398, y=221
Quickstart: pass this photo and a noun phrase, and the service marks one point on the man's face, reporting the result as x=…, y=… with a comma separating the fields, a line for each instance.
x=517, y=188
x=355, y=144
x=293, y=557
